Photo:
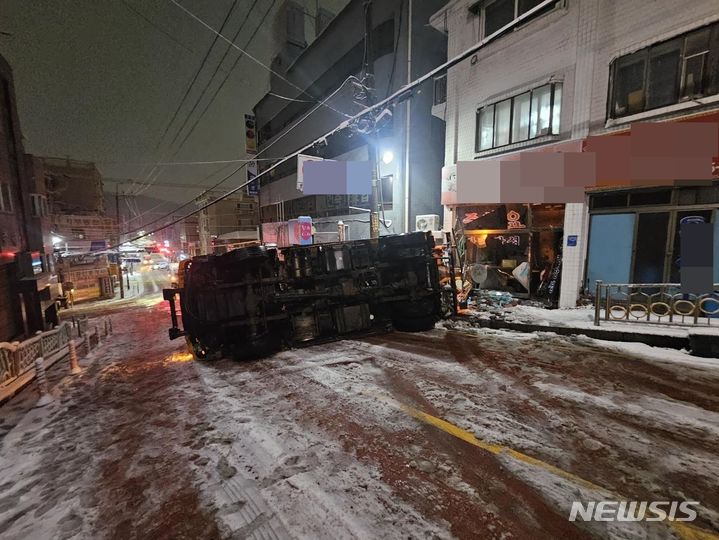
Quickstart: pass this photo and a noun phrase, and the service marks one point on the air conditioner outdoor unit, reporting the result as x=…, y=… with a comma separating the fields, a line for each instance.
x=427, y=222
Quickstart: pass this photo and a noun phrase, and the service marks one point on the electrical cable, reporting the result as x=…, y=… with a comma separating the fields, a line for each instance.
x=277, y=139
x=400, y=93
x=289, y=98
x=155, y=25
x=219, y=88
x=188, y=90
x=214, y=73
x=171, y=163
x=227, y=76
x=396, y=45
x=257, y=61
x=186, y=204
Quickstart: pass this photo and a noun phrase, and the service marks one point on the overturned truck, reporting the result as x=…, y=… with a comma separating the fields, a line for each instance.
x=253, y=301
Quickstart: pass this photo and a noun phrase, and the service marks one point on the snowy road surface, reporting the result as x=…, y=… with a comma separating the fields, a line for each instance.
x=436, y=435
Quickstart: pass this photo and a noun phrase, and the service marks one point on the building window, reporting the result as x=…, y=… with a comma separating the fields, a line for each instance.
x=526, y=116
x=38, y=205
x=682, y=68
x=496, y=14
x=5, y=197
x=387, y=191
x=440, y=89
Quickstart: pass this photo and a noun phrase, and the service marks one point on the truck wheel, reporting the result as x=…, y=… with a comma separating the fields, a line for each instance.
x=414, y=324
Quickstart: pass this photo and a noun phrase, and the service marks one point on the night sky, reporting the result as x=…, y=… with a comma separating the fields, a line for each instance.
x=95, y=81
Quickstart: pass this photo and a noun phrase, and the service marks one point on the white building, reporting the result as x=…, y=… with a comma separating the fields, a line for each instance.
x=564, y=74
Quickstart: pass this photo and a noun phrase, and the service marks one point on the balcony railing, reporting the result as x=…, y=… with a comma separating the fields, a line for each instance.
x=655, y=303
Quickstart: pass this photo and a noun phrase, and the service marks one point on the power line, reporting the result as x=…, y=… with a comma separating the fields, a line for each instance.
x=189, y=88
x=139, y=215
x=217, y=90
x=402, y=92
x=155, y=25
x=183, y=163
x=219, y=35
x=212, y=77
x=289, y=98
x=277, y=139
x=227, y=76
x=224, y=81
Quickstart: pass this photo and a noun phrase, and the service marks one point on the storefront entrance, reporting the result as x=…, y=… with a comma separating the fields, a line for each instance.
x=634, y=234
x=514, y=248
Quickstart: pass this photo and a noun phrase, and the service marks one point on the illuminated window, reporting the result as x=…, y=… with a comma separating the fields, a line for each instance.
x=526, y=116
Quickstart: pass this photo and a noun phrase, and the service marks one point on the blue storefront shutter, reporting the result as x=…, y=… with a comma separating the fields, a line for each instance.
x=610, y=249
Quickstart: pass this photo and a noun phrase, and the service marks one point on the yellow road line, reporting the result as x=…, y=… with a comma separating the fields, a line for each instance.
x=685, y=530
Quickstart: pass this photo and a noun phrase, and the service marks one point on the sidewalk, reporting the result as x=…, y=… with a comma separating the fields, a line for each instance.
x=21, y=396
x=135, y=291
x=580, y=321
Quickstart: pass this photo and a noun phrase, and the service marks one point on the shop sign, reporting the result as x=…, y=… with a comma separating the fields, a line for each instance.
x=514, y=220
x=572, y=240
x=692, y=219
x=514, y=240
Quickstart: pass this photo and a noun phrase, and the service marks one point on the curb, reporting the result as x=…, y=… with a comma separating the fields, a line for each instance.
x=654, y=340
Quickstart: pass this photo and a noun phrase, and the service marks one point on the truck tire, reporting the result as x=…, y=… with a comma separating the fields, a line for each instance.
x=414, y=324
x=417, y=316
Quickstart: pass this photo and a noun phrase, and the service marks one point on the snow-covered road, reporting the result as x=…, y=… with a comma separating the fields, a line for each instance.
x=436, y=435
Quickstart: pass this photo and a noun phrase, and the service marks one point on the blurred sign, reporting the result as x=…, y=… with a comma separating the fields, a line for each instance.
x=253, y=187
x=572, y=240
x=301, y=160
x=300, y=231
x=250, y=134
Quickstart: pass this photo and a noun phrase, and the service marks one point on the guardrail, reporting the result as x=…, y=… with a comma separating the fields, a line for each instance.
x=18, y=358
x=655, y=303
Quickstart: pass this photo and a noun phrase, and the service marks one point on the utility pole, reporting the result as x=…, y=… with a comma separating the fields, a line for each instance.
x=371, y=136
x=407, y=126
x=119, y=261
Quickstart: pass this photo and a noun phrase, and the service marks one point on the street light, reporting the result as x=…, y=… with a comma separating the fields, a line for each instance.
x=387, y=157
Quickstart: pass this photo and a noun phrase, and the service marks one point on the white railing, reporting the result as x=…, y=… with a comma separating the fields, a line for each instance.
x=18, y=357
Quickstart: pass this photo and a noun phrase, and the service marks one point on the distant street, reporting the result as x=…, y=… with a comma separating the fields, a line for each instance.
x=434, y=435
x=145, y=288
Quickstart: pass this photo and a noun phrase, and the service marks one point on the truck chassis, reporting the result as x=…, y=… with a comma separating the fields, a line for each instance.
x=254, y=301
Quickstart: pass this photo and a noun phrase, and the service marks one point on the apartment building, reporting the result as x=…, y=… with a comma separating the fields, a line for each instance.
x=568, y=71
x=70, y=194
x=229, y=221
x=329, y=70
x=24, y=266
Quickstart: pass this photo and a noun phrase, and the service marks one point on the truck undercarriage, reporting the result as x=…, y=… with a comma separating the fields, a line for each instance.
x=253, y=301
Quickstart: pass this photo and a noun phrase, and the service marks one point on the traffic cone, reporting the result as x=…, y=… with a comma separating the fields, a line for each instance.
x=74, y=365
